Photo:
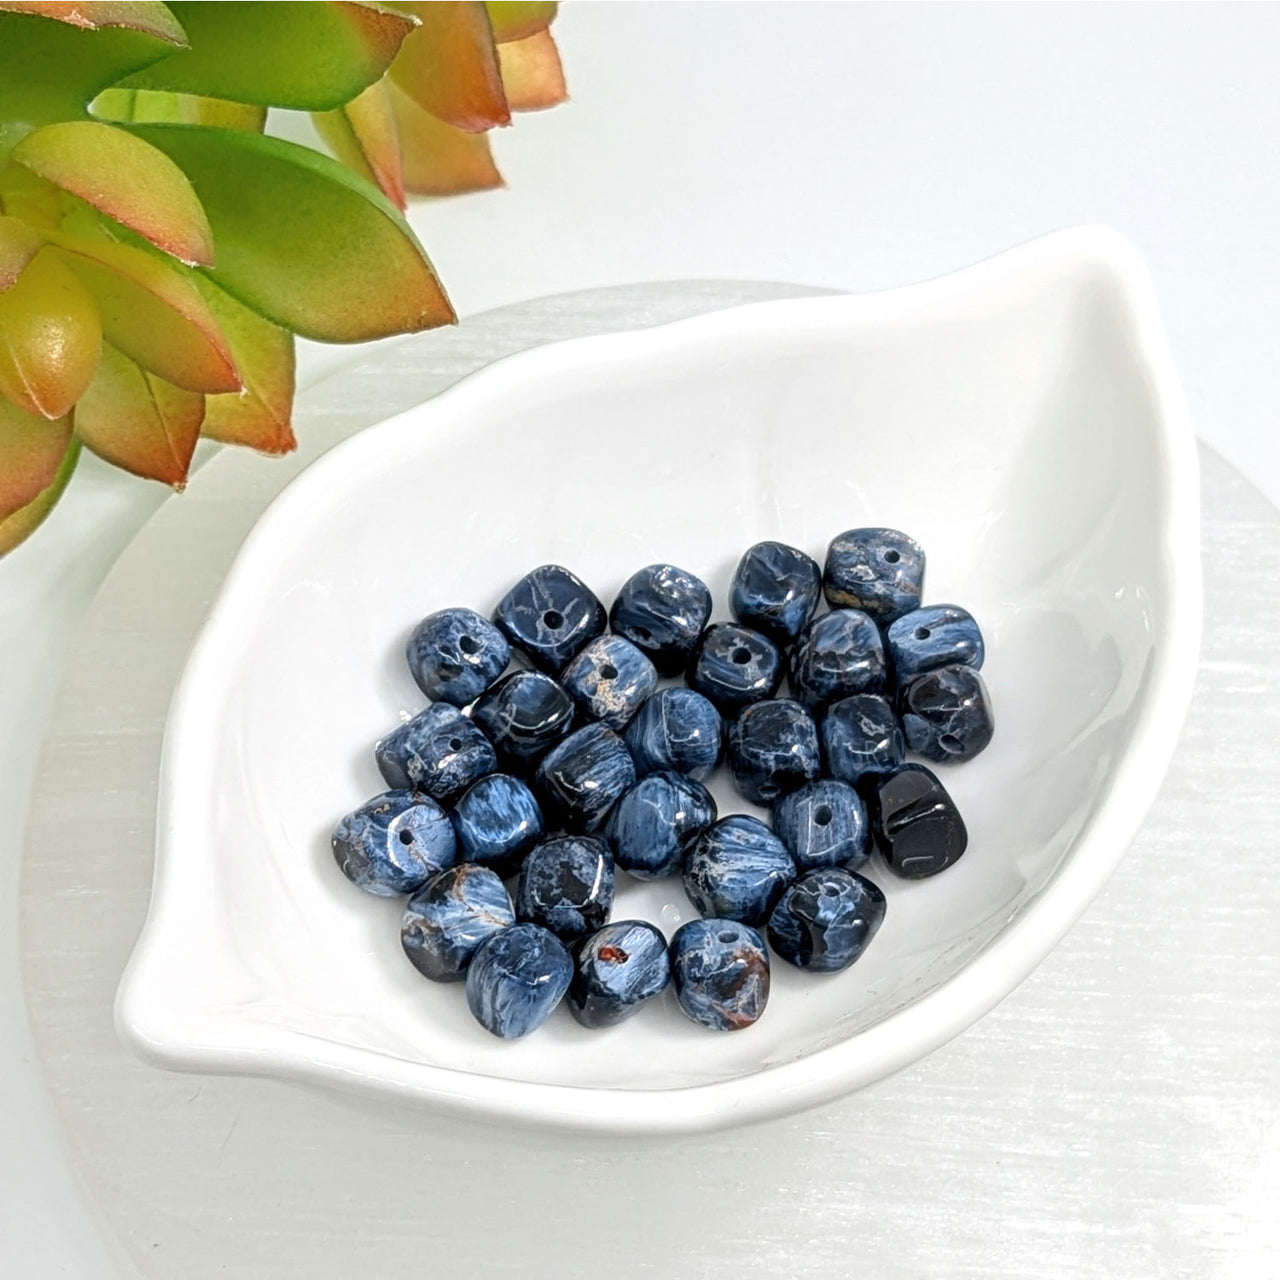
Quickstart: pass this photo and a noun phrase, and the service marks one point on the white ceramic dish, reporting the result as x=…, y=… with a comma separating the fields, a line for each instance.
x=1022, y=418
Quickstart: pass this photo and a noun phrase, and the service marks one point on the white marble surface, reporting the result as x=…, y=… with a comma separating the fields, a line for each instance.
x=1118, y=1115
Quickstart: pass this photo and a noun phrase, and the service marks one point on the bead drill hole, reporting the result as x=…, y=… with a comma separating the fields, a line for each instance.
x=468, y=645
x=822, y=815
x=406, y=837
x=741, y=656
x=922, y=633
x=608, y=672
x=892, y=557
x=455, y=744
x=728, y=937
x=553, y=619
x=949, y=742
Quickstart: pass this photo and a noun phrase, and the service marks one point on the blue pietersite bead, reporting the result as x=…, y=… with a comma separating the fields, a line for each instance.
x=550, y=615
x=662, y=610
x=879, y=571
x=861, y=738
x=825, y=920
x=720, y=971
x=394, y=843
x=581, y=778
x=653, y=824
x=516, y=978
x=839, y=655
x=823, y=824
x=450, y=916
x=456, y=654
x=497, y=821
x=609, y=680
x=775, y=590
x=524, y=715
x=734, y=667
x=915, y=822
x=439, y=751
x=617, y=970
x=946, y=714
x=773, y=749
x=939, y=635
x=566, y=885
x=737, y=870
x=676, y=729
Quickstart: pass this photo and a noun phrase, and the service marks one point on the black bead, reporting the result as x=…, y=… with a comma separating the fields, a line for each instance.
x=915, y=823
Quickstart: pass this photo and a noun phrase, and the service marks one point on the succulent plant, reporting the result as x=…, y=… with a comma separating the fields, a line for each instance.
x=159, y=251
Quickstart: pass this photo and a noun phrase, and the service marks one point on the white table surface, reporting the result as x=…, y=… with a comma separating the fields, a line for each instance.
x=849, y=146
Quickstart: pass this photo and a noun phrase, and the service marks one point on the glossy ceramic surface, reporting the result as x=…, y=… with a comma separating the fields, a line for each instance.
x=1054, y=489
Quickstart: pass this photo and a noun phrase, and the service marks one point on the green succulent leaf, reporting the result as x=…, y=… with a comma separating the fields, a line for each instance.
x=31, y=447
x=449, y=65
x=519, y=19
x=50, y=338
x=260, y=414
x=124, y=177
x=18, y=245
x=23, y=522
x=138, y=421
x=363, y=136
x=156, y=106
x=308, y=56
x=153, y=313
x=56, y=58
x=306, y=243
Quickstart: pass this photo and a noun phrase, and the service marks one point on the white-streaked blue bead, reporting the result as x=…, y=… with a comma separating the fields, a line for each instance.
x=862, y=738
x=450, y=916
x=456, y=654
x=734, y=667
x=737, y=870
x=656, y=820
x=439, y=751
x=582, y=777
x=524, y=715
x=616, y=970
x=824, y=824
x=497, y=821
x=516, y=979
x=550, y=615
x=773, y=749
x=946, y=715
x=775, y=590
x=662, y=609
x=880, y=571
x=566, y=885
x=824, y=921
x=394, y=843
x=676, y=729
x=839, y=655
x=609, y=680
x=939, y=635
x=720, y=971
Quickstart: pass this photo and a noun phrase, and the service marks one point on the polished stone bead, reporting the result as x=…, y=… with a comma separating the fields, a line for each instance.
x=823, y=824
x=582, y=777
x=839, y=655
x=775, y=590
x=617, y=970
x=773, y=749
x=450, y=916
x=516, y=979
x=566, y=885
x=657, y=819
x=946, y=715
x=394, y=843
x=550, y=615
x=676, y=729
x=915, y=823
x=720, y=971
x=824, y=922
x=861, y=738
x=734, y=667
x=439, y=751
x=456, y=654
x=737, y=870
x=609, y=680
x=939, y=635
x=662, y=610
x=879, y=571
x=497, y=821
x=524, y=715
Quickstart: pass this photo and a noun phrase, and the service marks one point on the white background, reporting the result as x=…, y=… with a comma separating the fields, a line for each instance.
x=854, y=146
